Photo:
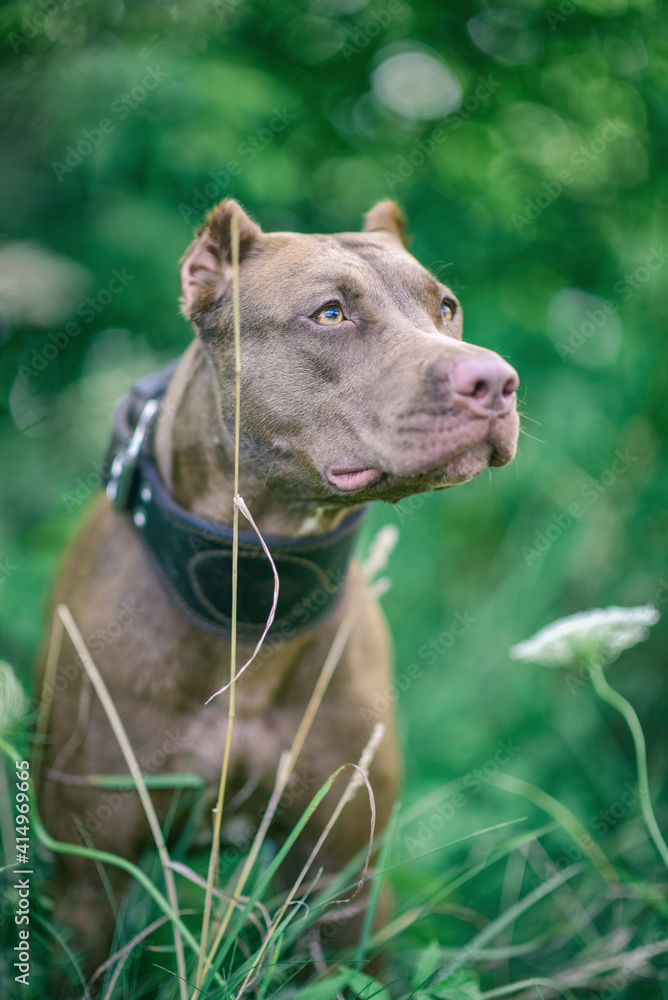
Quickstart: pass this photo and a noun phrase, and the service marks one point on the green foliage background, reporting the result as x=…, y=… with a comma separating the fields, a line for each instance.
x=553, y=80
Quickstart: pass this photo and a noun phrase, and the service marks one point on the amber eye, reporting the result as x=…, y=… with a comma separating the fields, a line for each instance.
x=448, y=309
x=330, y=315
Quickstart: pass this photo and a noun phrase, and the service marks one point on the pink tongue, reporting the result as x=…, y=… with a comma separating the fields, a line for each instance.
x=354, y=479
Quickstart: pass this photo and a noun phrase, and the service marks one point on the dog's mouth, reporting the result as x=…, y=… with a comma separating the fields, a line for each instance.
x=458, y=468
x=352, y=479
x=422, y=468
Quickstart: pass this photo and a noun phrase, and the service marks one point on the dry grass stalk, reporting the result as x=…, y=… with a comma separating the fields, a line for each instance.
x=133, y=765
x=218, y=811
x=360, y=776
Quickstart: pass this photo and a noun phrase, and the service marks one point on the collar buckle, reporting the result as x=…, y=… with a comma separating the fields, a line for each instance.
x=124, y=466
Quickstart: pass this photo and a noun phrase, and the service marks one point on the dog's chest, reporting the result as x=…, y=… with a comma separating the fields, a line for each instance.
x=260, y=737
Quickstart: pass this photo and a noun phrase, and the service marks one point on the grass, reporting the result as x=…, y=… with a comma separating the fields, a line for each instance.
x=530, y=906
x=564, y=923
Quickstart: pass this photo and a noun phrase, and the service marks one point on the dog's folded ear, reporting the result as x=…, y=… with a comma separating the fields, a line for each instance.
x=206, y=268
x=386, y=217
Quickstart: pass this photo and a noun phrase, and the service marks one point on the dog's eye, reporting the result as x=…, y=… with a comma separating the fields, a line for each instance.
x=330, y=315
x=448, y=309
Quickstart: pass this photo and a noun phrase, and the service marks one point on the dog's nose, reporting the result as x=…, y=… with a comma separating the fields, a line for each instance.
x=486, y=384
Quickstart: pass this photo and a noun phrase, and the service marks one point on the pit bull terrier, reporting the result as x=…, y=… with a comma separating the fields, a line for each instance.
x=356, y=386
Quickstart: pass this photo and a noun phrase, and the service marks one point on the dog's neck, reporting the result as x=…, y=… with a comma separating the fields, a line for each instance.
x=195, y=455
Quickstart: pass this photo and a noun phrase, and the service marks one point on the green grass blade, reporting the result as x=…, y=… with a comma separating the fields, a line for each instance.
x=376, y=884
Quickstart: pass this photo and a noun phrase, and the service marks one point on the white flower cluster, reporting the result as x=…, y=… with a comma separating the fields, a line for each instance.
x=601, y=633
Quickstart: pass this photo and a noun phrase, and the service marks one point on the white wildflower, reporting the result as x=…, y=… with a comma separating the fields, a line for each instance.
x=13, y=702
x=600, y=634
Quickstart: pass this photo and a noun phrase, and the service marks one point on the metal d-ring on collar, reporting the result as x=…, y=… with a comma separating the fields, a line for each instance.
x=192, y=555
x=125, y=463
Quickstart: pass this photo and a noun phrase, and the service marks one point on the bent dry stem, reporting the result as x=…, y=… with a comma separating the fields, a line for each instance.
x=379, y=554
x=285, y=770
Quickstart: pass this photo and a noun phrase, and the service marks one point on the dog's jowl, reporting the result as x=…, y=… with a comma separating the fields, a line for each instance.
x=356, y=386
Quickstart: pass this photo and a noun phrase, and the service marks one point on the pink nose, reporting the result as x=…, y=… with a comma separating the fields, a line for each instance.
x=486, y=384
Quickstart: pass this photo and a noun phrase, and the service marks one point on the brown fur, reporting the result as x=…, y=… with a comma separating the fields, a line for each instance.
x=372, y=391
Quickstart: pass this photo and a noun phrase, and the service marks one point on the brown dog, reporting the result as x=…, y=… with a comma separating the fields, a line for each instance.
x=356, y=386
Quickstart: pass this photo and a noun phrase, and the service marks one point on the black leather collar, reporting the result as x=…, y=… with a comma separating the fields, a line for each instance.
x=192, y=555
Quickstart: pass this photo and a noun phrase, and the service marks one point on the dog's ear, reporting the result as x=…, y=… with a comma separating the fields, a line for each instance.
x=386, y=217
x=206, y=268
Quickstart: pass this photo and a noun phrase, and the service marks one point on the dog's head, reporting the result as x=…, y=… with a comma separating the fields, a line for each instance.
x=356, y=383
